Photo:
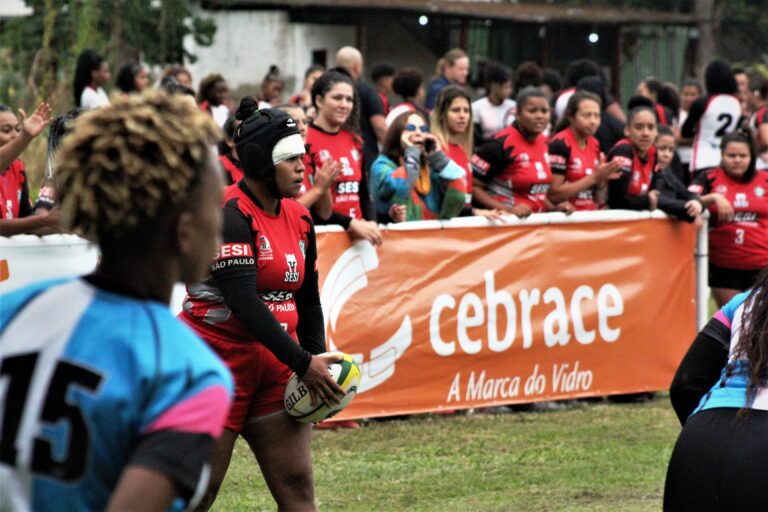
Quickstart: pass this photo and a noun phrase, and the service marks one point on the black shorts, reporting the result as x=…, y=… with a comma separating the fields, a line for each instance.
x=733, y=278
x=718, y=463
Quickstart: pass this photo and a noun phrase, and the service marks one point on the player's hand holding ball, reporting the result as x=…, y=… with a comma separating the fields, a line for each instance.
x=315, y=399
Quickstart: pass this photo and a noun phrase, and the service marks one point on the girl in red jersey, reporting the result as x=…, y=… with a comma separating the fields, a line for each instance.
x=260, y=310
x=452, y=125
x=636, y=157
x=16, y=212
x=333, y=136
x=318, y=197
x=738, y=234
x=579, y=172
x=512, y=171
x=233, y=171
x=758, y=123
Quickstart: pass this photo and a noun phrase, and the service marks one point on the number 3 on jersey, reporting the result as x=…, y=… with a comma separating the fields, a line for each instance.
x=51, y=409
x=739, y=240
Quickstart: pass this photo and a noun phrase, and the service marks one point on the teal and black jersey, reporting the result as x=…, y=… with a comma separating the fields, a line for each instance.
x=92, y=382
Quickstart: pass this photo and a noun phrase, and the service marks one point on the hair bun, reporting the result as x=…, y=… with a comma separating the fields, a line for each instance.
x=248, y=105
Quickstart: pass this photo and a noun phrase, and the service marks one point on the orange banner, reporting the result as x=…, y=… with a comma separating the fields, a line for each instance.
x=481, y=316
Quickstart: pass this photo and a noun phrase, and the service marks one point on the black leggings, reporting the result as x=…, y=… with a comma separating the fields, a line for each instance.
x=720, y=462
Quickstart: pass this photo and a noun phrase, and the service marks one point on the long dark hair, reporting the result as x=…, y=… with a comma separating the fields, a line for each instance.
x=573, y=107
x=126, y=77
x=669, y=97
x=325, y=83
x=753, y=338
x=719, y=78
x=87, y=62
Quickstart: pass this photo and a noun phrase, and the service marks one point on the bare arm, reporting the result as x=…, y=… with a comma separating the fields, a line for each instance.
x=487, y=201
x=562, y=190
x=32, y=126
x=318, y=197
x=378, y=122
x=763, y=138
x=142, y=488
x=38, y=224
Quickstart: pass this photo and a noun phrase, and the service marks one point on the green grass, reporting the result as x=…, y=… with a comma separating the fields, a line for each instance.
x=585, y=457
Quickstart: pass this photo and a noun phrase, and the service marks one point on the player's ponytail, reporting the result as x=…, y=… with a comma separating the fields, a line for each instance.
x=753, y=338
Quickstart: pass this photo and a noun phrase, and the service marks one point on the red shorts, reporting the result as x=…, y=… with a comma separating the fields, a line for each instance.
x=260, y=379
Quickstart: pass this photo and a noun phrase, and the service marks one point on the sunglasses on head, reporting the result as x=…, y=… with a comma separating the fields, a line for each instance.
x=412, y=128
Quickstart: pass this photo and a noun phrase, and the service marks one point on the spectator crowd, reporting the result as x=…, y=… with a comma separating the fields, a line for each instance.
x=402, y=148
x=134, y=167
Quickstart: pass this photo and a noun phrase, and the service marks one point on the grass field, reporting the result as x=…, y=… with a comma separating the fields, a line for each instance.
x=599, y=456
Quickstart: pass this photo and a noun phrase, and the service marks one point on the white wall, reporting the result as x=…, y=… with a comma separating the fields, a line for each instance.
x=248, y=42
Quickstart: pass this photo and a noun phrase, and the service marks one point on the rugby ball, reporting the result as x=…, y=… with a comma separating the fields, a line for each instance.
x=298, y=403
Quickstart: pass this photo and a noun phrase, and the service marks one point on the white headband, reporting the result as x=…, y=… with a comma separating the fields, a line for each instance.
x=288, y=147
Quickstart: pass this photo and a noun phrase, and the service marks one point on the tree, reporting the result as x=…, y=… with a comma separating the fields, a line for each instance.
x=122, y=30
x=707, y=25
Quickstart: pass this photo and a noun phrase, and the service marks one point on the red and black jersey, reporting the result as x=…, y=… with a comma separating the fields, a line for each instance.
x=275, y=245
x=233, y=171
x=759, y=118
x=384, y=103
x=14, y=192
x=742, y=243
x=630, y=190
x=346, y=148
x=568, y=159
x=456, y=153
x=664, y=115
x=514, y=169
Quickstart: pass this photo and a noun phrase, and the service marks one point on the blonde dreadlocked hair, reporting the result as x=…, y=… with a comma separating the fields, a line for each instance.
x=126, y=164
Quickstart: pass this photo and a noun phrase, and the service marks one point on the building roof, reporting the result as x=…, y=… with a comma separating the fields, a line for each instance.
x=483, y=9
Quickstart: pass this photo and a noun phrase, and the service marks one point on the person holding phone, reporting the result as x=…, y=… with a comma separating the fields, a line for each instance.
x=412, y=178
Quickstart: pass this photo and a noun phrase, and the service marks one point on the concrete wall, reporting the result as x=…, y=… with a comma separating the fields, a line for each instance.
x=248, y=42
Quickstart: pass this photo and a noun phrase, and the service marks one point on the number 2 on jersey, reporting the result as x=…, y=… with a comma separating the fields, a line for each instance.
x=726, y=119
x=55, y=409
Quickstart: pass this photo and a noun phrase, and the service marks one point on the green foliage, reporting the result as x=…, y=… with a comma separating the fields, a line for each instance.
x=743, y=34
x=587, y=457
x=45, y=45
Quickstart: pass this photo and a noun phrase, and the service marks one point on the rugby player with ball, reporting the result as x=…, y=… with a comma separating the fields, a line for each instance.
x=260, y=309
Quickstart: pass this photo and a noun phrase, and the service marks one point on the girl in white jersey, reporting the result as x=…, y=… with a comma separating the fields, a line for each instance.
x=712, y=116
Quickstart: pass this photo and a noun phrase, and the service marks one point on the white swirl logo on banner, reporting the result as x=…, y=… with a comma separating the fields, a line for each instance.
x=346, y=277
